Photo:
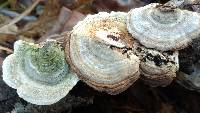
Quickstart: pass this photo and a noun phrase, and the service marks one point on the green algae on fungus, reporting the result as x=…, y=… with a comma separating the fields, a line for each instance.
x=39, y=72
x=43, y=58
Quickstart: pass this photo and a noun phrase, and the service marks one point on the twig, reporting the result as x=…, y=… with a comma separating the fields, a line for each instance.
x=25, y=13
x=15, y=14
x=4, y=4
x=6, y=49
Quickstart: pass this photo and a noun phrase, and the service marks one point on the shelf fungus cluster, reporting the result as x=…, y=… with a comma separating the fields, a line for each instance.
x=108, y=51
x=153, y=34
x=38, y=72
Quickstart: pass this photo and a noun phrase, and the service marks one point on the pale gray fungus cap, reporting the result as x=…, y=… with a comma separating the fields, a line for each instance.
x=163, y=27
x=190, y=81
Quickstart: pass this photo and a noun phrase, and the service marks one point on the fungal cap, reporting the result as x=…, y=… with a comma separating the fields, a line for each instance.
x=190, y=81
x=157, y=68
x=163, y=27
x=161, y=70
x=100, y=66
x=38, y=72
x=108, y=28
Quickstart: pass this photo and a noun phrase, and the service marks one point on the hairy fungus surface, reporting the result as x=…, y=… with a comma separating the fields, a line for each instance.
x=38, y=72
x=163, y=27
x=99, y=50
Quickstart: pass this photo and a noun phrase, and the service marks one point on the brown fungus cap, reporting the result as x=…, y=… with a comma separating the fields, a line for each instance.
x=99, y=53
x=163, y=27
x=157, y=68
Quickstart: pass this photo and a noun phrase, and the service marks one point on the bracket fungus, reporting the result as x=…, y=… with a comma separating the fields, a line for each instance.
x=163, y=27
x=99, y=51
x=39, y=72
x=189, y=72
x=190, y=81
x=157, y=68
